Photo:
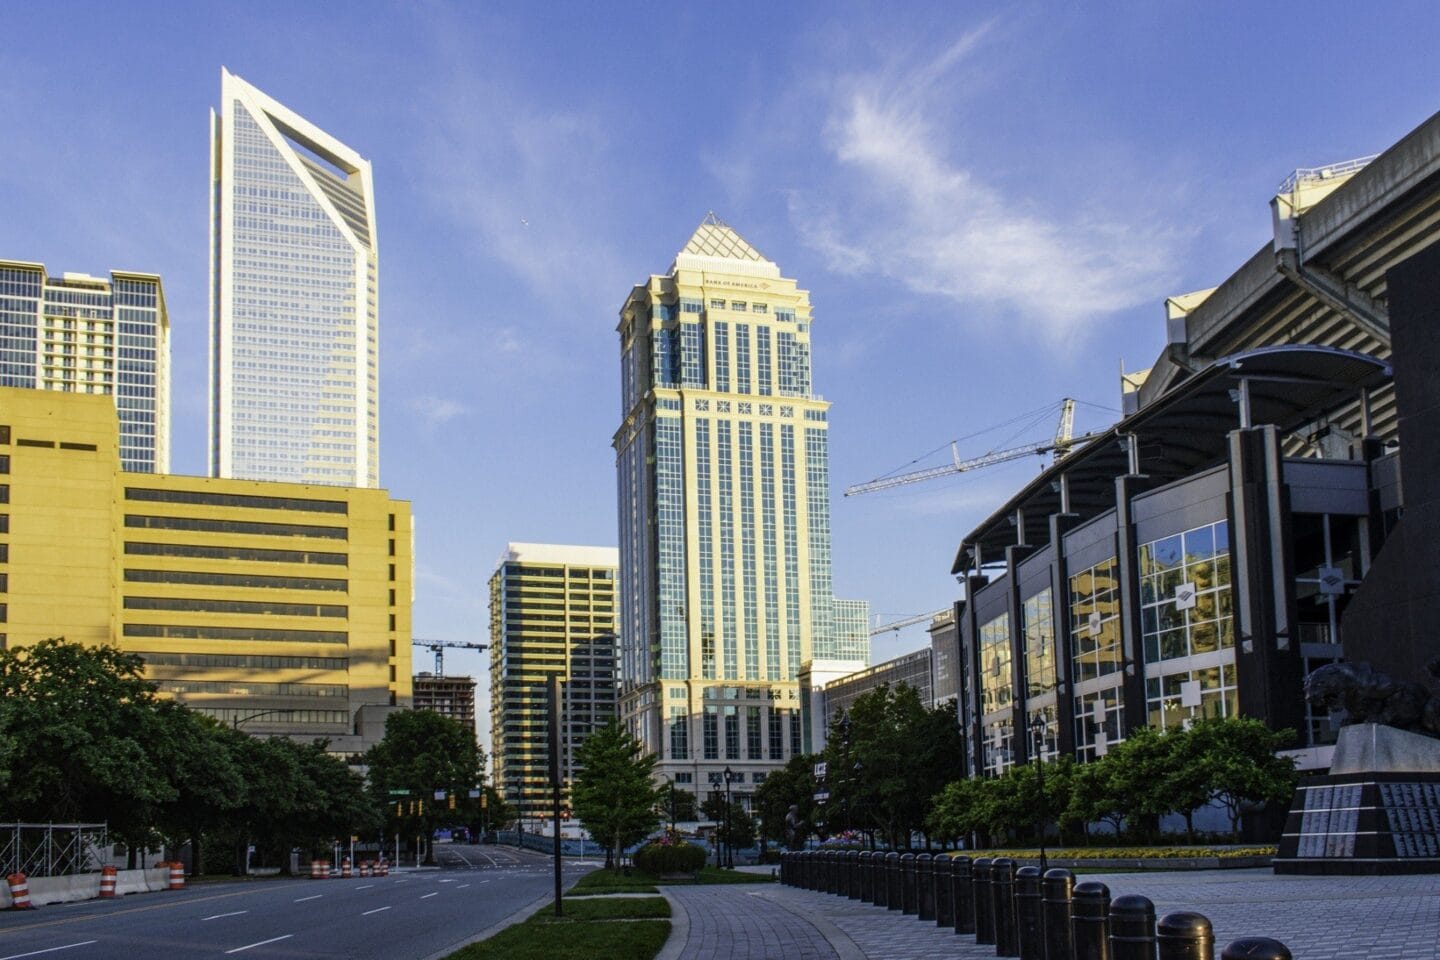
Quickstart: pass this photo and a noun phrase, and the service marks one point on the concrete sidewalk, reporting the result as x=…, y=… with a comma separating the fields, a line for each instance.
x=1319, y=918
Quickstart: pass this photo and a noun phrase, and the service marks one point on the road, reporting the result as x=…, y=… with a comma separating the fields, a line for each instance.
x=410, y=915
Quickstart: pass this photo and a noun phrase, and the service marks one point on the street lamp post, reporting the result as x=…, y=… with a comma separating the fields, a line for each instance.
x=672, y=804
x=729, y=834
x=243, y=854
x=1038, y=725
x=719, y=836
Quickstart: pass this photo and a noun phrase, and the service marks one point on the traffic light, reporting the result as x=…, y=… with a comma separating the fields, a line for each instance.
x=452, y=801
x=484, y=800
x=421, y=812
x=399, y=809
x=564, y=813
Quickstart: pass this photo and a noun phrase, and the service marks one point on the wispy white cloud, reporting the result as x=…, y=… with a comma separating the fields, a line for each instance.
x=903, y=202
x=436, y=410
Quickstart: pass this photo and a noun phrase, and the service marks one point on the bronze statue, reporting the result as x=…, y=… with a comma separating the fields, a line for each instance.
x=1365, y=695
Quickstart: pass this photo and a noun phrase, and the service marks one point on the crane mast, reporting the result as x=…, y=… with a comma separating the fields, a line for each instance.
x=1061, y=446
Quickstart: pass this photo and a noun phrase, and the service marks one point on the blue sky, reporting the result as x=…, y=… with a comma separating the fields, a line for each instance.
x=989, y=203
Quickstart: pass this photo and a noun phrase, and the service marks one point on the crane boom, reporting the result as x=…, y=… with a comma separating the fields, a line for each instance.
x=1061, y=446
x=438, y=647
x=907, y=622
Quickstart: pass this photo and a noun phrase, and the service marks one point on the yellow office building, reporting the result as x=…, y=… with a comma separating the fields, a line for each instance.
x=282, y=608
x=552, y=611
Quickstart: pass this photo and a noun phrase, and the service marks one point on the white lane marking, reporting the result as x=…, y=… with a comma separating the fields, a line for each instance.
x=365, y=886
x=462, y=858
x=376, y=910
x=402, y=881
x=303, y=899
x=220, y=915
x=448, y=881
x=462, y=886
x=429, y=895
x=36, y=953
x=251, y=946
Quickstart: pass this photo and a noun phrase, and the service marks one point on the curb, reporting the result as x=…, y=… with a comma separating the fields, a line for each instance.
x=679, y=938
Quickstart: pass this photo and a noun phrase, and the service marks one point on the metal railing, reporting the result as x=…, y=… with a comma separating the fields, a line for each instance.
x=52, y=849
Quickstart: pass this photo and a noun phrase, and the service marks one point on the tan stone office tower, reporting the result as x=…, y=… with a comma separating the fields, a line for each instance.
x=724, y=510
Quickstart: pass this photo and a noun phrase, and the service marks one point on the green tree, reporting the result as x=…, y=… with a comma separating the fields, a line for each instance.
x=676, y=804
x=887, y=758
x=614, y=794
x=1239, y=757
x=79, y=732
x=201, y=755
x=421, y=753
x=791, y=785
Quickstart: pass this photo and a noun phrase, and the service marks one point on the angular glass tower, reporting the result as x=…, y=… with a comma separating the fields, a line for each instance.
x=294, y=320
x=81, y=334
x=724, y=489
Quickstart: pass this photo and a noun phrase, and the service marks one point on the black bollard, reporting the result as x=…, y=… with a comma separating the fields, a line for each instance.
x=832, y=874
x=838, y=875
x=907, y=884
x=880, y=878
x=892, y=881
x=1091, y=921
x=1029, y=914
x=865, y=881
x=940, y=891
x=1132, y=928
x=812, y=870
x=1058, y=886
x=925, y=886
x=962, y=895
x=984, y=901
x=1255, y=948
x=852, y=866
x=1002, y=889
x=1185, y=936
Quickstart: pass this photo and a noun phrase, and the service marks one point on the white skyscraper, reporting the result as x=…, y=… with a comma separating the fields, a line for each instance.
x=294, y=320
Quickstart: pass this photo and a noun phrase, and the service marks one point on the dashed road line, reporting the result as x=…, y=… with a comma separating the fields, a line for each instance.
x=251, y=946
x=365, y=886
x=376, y=910
x=303, y=899
x=217, y=916
x=462, y=886
x=36, y=953
x=427, y=896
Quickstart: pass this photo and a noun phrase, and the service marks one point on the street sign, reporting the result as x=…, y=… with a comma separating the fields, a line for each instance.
x=821, y=769
x=399, y=793
x=439, y=794
x=822, y=796
x=474, y=794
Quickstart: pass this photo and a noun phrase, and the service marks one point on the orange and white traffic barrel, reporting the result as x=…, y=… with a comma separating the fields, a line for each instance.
x=107, y=882
x=364, y=868
x=384, y=867
x=177, y=875
x=345, y=868
x=317, y=870
x=19, y=892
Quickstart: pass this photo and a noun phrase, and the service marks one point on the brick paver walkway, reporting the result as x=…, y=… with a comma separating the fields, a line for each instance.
x=1319, y=918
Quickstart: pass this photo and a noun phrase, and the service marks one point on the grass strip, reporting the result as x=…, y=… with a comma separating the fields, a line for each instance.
x=638, y=881
x=587, y=931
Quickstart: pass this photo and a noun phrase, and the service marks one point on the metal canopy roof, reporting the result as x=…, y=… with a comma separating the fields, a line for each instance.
x=1182, y=432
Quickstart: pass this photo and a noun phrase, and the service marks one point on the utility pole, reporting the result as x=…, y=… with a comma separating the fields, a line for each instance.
x=555, y=738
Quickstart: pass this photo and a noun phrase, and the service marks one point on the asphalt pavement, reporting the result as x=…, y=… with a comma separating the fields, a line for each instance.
x=409, y=915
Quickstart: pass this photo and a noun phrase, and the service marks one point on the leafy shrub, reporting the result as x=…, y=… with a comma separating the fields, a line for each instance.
x=668, y=855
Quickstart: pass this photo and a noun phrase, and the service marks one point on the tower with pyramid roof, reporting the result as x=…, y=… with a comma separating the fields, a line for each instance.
x=724, y=506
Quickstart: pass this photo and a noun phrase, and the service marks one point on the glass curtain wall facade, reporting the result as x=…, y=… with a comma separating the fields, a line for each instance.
x=723, y=482
x=294, y=377
x=552, y=611
x=82, y=334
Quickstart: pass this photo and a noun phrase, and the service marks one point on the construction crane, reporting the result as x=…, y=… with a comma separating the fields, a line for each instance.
x=898, y=625
x=1061, y=445
x=438, y=647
